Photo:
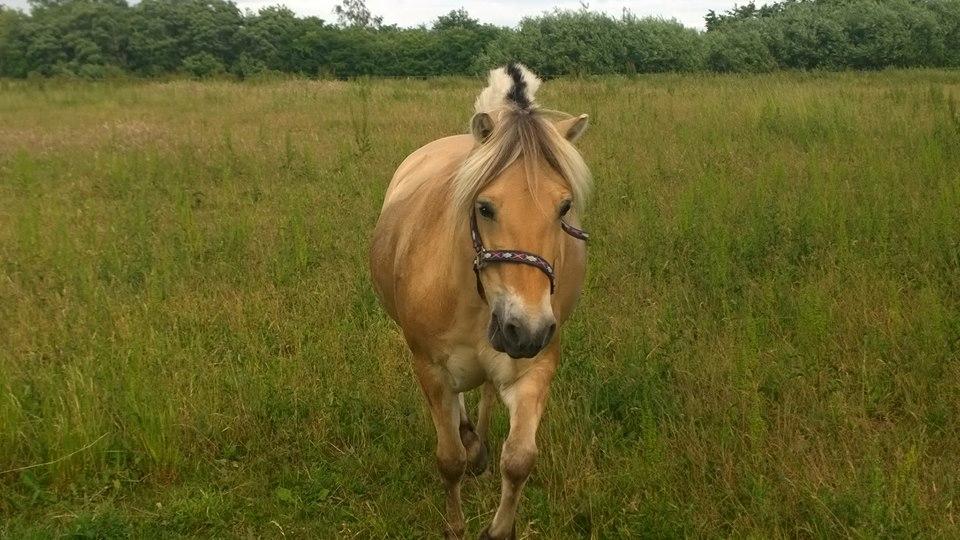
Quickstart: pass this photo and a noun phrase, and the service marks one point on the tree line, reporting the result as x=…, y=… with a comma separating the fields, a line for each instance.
x=103, y=38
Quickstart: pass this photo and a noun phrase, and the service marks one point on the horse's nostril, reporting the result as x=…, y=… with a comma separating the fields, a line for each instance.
x=511, y=331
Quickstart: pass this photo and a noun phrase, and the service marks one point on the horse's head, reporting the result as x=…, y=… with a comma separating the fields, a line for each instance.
x=522, y=215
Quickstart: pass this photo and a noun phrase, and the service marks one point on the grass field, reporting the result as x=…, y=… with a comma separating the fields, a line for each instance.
x=768, y=343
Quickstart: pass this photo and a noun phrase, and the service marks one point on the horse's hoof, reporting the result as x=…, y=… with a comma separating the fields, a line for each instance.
x=485, y=535
x=477, y=457
x=479, y=461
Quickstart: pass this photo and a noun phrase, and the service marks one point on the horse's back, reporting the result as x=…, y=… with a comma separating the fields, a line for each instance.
x=433, y=162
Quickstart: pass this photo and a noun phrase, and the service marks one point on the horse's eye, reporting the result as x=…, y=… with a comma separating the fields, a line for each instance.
x=564, y=208
x=486, y=210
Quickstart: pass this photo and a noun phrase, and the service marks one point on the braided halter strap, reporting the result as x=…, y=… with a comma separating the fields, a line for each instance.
x=488, y=256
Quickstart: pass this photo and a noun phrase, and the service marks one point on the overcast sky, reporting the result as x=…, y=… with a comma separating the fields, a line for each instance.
x=501, y=12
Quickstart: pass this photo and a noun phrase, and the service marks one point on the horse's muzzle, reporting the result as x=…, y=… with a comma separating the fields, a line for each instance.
x=518, y=338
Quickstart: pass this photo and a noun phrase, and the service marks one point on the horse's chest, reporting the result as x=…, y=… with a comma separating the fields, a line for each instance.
x=469, y=367
x=465, y=369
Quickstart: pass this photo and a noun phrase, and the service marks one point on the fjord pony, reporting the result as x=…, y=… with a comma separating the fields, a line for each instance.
x=457, y=213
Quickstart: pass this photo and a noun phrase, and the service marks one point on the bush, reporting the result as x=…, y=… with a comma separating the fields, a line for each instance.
x=247, y=66
x=584, y=42
x=657, y=45
x=99, y=71
x=93, y=38
x=803, y=38
x=202, y=65
x=947, y=13
x=738, y=50
x=858, y=34
x=165, y=33
x=12, y=61
x=881, y=34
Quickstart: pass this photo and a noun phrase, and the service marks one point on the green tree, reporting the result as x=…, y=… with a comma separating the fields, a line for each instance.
x=883, y=34
x=268, y=39
x=12, y=61
x=585, y=42
x=94, y=38
x=804, y=38
x=354, y=13
x=657, y=45
x=745, y=12
x=202, y=64
x=166, y=32
x=743, y=49
x=79, y=37
x=456, y=19
x=947, y=13
x=458, y=40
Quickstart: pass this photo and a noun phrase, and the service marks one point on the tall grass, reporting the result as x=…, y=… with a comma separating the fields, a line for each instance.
x=768, y=345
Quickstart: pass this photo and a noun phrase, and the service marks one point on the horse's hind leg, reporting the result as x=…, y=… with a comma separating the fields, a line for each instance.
x=451, y=455
x=474, y=438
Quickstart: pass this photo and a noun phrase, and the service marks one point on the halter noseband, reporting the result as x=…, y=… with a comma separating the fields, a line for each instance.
x=488, y=256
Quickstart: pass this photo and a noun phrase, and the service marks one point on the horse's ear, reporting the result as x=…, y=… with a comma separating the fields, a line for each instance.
x=481, y=125
x=573, y=128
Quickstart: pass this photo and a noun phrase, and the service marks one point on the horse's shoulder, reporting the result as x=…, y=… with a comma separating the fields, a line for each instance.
x=411, y=221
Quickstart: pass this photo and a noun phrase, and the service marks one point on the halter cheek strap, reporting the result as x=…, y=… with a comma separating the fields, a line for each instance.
x=488, y=256
x=579, y=234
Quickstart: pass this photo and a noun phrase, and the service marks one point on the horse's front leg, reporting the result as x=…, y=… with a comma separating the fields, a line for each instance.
x=444, y=407
x=525, y=399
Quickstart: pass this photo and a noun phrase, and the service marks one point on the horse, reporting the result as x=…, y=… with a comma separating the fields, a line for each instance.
x=478, y=257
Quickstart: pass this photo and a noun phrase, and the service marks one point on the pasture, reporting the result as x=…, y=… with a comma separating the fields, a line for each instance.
x=768, y=343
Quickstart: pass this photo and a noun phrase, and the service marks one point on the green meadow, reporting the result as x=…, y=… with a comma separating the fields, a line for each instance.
x=768, y=344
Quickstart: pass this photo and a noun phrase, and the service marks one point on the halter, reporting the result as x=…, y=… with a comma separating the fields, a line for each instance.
x=488, y=256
